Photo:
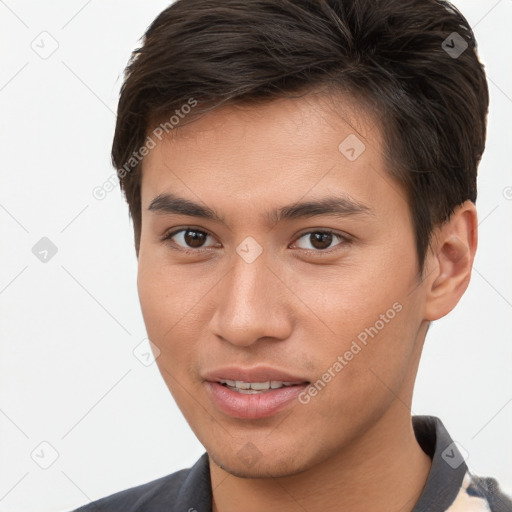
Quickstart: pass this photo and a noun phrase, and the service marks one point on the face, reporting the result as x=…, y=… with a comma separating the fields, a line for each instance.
x=276, y=251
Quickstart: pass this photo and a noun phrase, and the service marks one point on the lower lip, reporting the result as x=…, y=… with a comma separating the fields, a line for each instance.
x=253, y=406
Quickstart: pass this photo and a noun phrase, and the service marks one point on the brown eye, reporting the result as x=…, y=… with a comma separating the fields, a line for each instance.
x=194, y=238
x=188, y=239
x=320, y=240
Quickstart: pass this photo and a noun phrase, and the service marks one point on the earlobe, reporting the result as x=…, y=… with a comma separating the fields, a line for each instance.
x=451, y=260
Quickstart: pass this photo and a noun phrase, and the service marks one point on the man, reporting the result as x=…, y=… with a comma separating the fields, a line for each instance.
x=301, y=175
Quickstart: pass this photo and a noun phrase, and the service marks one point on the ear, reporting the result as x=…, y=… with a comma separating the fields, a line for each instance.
x=449, y=261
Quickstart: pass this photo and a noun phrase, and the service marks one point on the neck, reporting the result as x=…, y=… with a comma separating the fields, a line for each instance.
x=385, y=469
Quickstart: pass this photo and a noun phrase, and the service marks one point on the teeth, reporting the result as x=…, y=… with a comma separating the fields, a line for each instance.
x=255, y=387
x=260, y=386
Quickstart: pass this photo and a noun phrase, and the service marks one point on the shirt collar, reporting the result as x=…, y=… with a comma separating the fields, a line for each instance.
x=448, y=467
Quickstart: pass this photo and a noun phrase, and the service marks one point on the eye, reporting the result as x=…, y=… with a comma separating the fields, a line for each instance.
x=188, y=239
x=193, y=240
x=320, y=240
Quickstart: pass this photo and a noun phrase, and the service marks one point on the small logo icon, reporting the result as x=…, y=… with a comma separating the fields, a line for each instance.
x=45, y=45
x=249, y=249
x=44, y=455
x=44, y=250
x=146, y=352
x=249, y=454
x=454, y=45
x=454, y=455
x=352, y=147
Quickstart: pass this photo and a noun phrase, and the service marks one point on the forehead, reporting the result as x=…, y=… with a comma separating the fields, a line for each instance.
x=271, y=153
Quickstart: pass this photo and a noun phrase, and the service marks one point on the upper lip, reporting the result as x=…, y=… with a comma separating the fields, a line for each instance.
x=255, y=374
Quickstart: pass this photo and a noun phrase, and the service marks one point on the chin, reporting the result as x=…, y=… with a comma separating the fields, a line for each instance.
x=265, y=466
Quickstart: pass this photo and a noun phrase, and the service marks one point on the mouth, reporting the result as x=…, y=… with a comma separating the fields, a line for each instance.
x=252, y=388
x=253, y=393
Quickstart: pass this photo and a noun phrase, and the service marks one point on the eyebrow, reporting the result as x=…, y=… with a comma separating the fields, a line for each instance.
x=338, y=206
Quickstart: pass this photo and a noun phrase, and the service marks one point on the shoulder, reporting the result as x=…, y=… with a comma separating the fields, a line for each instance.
x=137, y=497
x=165, y=493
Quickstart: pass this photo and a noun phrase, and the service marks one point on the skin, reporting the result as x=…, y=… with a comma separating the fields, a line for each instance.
x=297, y=307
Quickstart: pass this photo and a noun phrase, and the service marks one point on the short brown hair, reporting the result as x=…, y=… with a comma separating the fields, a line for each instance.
x=400, y=55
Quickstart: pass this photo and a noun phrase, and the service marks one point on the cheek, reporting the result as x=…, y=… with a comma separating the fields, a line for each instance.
x=162, y=308
x=167, y=294
x=368, y=374
x=165, y=317
x=152, y=293
x=373, y=325
x=174, y=304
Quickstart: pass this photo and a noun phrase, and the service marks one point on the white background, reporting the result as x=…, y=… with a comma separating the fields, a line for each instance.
x=69, y=326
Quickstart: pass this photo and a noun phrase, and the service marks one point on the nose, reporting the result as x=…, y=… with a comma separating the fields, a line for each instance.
x=252, y=303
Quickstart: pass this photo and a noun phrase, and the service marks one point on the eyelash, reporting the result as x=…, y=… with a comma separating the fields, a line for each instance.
x=344, y=240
